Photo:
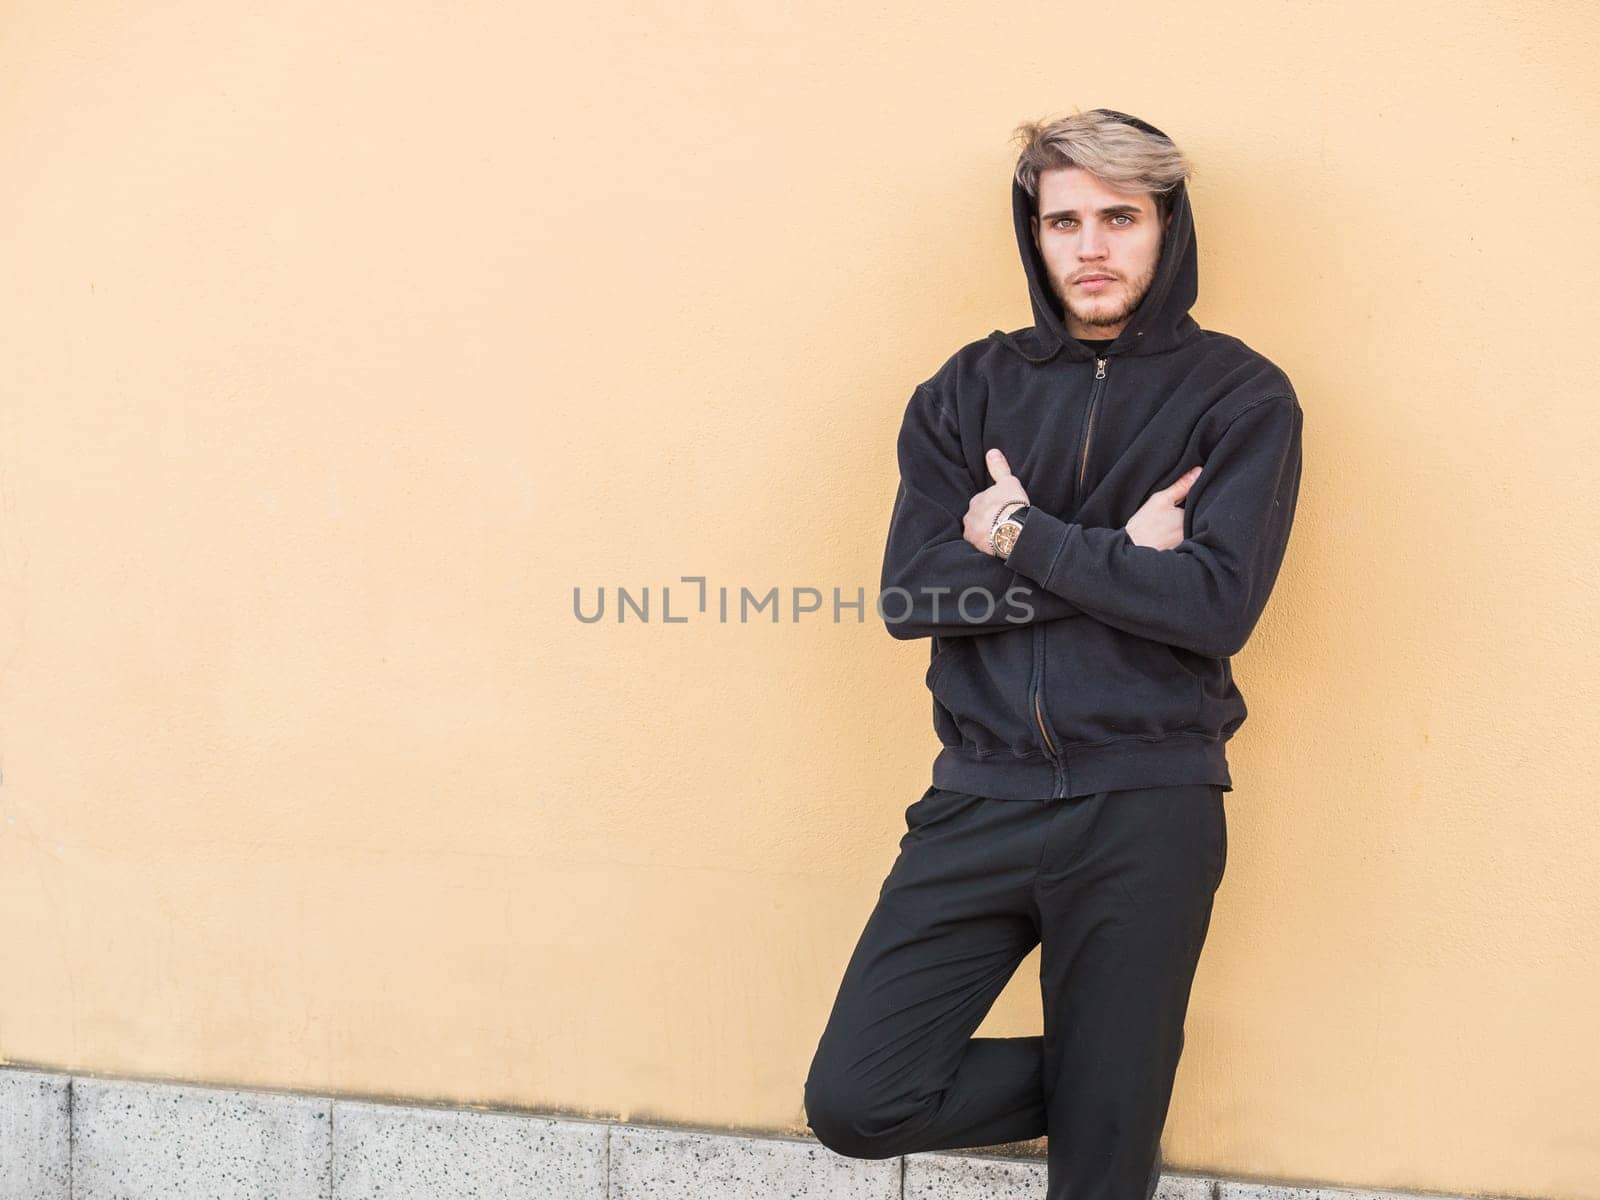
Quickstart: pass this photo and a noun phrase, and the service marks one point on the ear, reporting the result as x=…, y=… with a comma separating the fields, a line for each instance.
x=1033, y=223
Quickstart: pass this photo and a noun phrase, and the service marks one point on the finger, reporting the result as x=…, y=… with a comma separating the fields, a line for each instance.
x=1179, y=488
x=998, y=467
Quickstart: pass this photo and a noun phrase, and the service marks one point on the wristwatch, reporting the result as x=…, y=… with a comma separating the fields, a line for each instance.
x=1005, y=533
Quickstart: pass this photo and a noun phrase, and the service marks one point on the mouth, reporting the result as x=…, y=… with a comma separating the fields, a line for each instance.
x=1092, y=281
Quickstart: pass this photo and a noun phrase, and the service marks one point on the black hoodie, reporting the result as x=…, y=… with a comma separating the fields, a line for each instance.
x=1084, y=662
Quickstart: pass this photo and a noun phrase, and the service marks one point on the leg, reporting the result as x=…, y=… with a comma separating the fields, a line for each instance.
x=1125, y=897
x=897, y=1070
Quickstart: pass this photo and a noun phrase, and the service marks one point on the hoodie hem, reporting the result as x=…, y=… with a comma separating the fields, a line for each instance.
x=1177, y=760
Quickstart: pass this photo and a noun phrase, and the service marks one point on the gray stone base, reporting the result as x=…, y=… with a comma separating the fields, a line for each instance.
x=88, y=1138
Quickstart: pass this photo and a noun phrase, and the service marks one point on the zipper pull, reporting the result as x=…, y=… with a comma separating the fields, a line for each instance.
x=1100, y=364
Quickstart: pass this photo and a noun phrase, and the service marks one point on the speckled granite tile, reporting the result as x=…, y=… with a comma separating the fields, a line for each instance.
x=134, y=1140
x=1284, y=1191
x=1186, y=1187
x=35, y=1132
x=964, y=1176
x=958, y=1176
x=408, y=1152
x=663, y=1164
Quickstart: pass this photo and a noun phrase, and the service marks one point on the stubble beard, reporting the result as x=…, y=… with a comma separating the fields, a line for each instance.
x=1100, y=315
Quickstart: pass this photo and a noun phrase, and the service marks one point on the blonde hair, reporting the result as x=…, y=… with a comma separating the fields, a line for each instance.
x=1107, y=144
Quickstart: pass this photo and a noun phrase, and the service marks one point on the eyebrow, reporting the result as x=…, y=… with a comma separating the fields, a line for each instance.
x=1112, y=211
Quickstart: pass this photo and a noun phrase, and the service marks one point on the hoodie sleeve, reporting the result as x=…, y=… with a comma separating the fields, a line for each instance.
x=928, y=566
x=1207, y=593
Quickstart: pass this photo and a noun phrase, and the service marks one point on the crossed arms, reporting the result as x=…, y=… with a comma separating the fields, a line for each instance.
x=1205, y=595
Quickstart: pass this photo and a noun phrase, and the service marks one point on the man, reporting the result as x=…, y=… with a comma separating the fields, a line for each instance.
x=1091, y=514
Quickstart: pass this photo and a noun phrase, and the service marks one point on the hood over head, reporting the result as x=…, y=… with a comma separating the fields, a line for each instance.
x=1161, y=320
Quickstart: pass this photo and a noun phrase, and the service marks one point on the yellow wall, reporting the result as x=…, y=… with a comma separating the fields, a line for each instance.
x=339, y=343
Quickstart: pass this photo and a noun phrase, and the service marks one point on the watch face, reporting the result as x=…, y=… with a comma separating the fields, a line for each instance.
x=1006, y=536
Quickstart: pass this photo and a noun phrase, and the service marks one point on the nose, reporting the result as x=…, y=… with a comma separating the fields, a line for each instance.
x=1091, y=242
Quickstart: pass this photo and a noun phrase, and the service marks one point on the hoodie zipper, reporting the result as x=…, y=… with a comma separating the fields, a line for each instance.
x=1043, y=732
x=1083, y=466
x=1041, y=633
x=1088, y=428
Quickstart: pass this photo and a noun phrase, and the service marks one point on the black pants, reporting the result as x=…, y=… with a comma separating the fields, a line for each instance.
x=1116, y=888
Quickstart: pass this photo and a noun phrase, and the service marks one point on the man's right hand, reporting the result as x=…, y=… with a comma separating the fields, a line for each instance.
x=1159, y=521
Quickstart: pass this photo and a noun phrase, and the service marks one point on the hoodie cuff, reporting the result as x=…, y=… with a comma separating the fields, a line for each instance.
x=1038, y=546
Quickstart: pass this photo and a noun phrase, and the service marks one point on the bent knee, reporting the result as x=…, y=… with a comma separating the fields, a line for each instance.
x=845, y=1121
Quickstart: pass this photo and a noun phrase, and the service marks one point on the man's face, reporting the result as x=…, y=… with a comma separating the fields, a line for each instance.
x=1100, y=249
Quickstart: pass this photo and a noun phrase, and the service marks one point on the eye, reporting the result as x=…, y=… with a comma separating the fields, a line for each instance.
x=1123, y=217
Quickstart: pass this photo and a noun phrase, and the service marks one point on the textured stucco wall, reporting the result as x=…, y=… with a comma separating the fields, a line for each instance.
x=339, y=343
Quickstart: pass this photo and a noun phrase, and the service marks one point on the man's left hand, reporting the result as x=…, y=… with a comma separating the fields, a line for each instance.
x=983, y=507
